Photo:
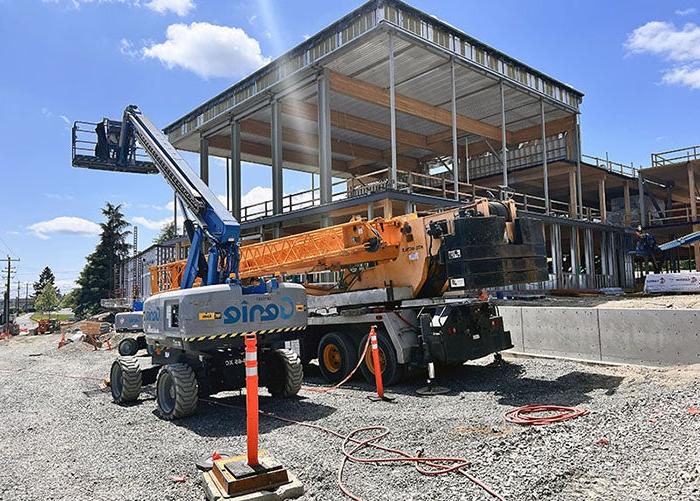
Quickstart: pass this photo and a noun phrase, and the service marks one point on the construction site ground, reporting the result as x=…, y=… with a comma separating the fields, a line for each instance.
x=63, y=438
x=638, y=300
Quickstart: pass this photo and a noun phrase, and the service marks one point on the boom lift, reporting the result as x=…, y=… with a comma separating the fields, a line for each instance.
x=409, y=275
x=195, y=335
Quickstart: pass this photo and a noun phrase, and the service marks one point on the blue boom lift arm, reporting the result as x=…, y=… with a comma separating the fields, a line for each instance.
x=116, y=150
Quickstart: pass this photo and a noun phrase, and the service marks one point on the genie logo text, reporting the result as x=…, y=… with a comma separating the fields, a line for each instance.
x=258, y=312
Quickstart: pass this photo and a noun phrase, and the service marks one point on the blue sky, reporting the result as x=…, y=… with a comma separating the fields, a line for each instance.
x=638, y=62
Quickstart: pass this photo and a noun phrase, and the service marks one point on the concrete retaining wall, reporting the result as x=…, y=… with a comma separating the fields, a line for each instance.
x=644, y=336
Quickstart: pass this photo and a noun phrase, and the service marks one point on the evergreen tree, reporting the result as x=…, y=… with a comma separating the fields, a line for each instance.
x=47, y=299
x=46, y=277
x=96, y=280
x=166, y=233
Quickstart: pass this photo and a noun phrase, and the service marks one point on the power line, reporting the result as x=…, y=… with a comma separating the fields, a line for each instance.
x=8, y=247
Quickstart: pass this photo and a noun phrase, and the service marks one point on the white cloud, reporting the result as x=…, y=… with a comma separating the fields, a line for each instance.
x=209, y=50
x=179, y=7
x=66, y=225
x=683, y=75
x=687, y=12
x=127, y=48
x=59, y=196
x=256, y=195
x=151, y=224
x=49, y=114
x=678, y=45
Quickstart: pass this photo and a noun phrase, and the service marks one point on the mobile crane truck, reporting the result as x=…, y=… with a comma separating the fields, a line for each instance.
x=410, y=275
x=195, y=336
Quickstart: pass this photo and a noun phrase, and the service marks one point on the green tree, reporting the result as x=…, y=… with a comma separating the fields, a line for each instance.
x=45, y=277
x=47, y=299
x=96, y=280
x=166, y=233
x=69, y=299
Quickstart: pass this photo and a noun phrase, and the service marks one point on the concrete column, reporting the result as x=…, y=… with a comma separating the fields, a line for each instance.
x=235, y=175
x=204, y=159
x=324, y=139
x=276, y=148
x=602, y=202
x=628, y=210
x=393, y=175
x=455, y=156
x=504, y=146
x=642, y=209
x=545, y=173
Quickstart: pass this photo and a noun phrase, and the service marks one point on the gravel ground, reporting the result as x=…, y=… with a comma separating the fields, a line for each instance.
x=61, y=438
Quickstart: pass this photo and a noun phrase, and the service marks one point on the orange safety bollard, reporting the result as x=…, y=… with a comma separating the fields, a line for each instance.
x=251, y=390
x=375, y=361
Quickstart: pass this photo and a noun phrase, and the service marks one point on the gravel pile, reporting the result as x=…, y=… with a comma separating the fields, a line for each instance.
x=62, y=438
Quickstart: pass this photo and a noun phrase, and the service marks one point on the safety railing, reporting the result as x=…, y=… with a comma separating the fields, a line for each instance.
x=675, y=156
x=670, y=216
x=615, y=167
x=415, y=183
x=527, y=155
x=84, y=140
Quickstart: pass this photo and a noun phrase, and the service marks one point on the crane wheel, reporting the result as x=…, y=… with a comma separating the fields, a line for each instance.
x=392, y=371
x=176, y=391
x=286, y=373
x=337, y=356
x=128, y=347
x=125, y=380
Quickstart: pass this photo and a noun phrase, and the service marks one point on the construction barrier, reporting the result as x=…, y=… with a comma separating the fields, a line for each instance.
x=376, y=362
x=251, y=389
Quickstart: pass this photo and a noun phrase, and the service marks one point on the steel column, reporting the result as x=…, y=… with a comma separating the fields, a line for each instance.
x=545, y=172
x=588, y=252
x=574, y=251
x=276, y=148
x=555, y=244
x=579, y=192
x=235, y=175
x=504, y=146
x=455, y=150
x=324, y=139
x=392, y=115
x=640, y=201
x=466, y=158
x=204, y=159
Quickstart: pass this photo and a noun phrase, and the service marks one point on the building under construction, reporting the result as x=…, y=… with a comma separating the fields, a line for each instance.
x=393, y=111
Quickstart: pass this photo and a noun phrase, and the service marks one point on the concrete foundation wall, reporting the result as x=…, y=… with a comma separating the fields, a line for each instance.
x=643, y=336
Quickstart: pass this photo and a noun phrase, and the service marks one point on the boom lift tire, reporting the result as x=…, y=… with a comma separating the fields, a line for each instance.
x=392, y=371
x=125, y=380
x=128, y=347
x=337, y=356
x=176, y=391
x=286, y=373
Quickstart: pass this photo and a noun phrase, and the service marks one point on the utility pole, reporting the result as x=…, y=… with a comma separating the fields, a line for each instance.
x=8, y=272
x=17, y=302
x=26, y=297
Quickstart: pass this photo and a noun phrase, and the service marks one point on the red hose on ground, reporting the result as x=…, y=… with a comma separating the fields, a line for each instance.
x=346, y=378
x=522, y=415
x=439, y=466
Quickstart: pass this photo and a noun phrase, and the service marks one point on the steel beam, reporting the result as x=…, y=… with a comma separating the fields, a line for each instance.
x=325, y=158
x=235, y=174
x=276, y=149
